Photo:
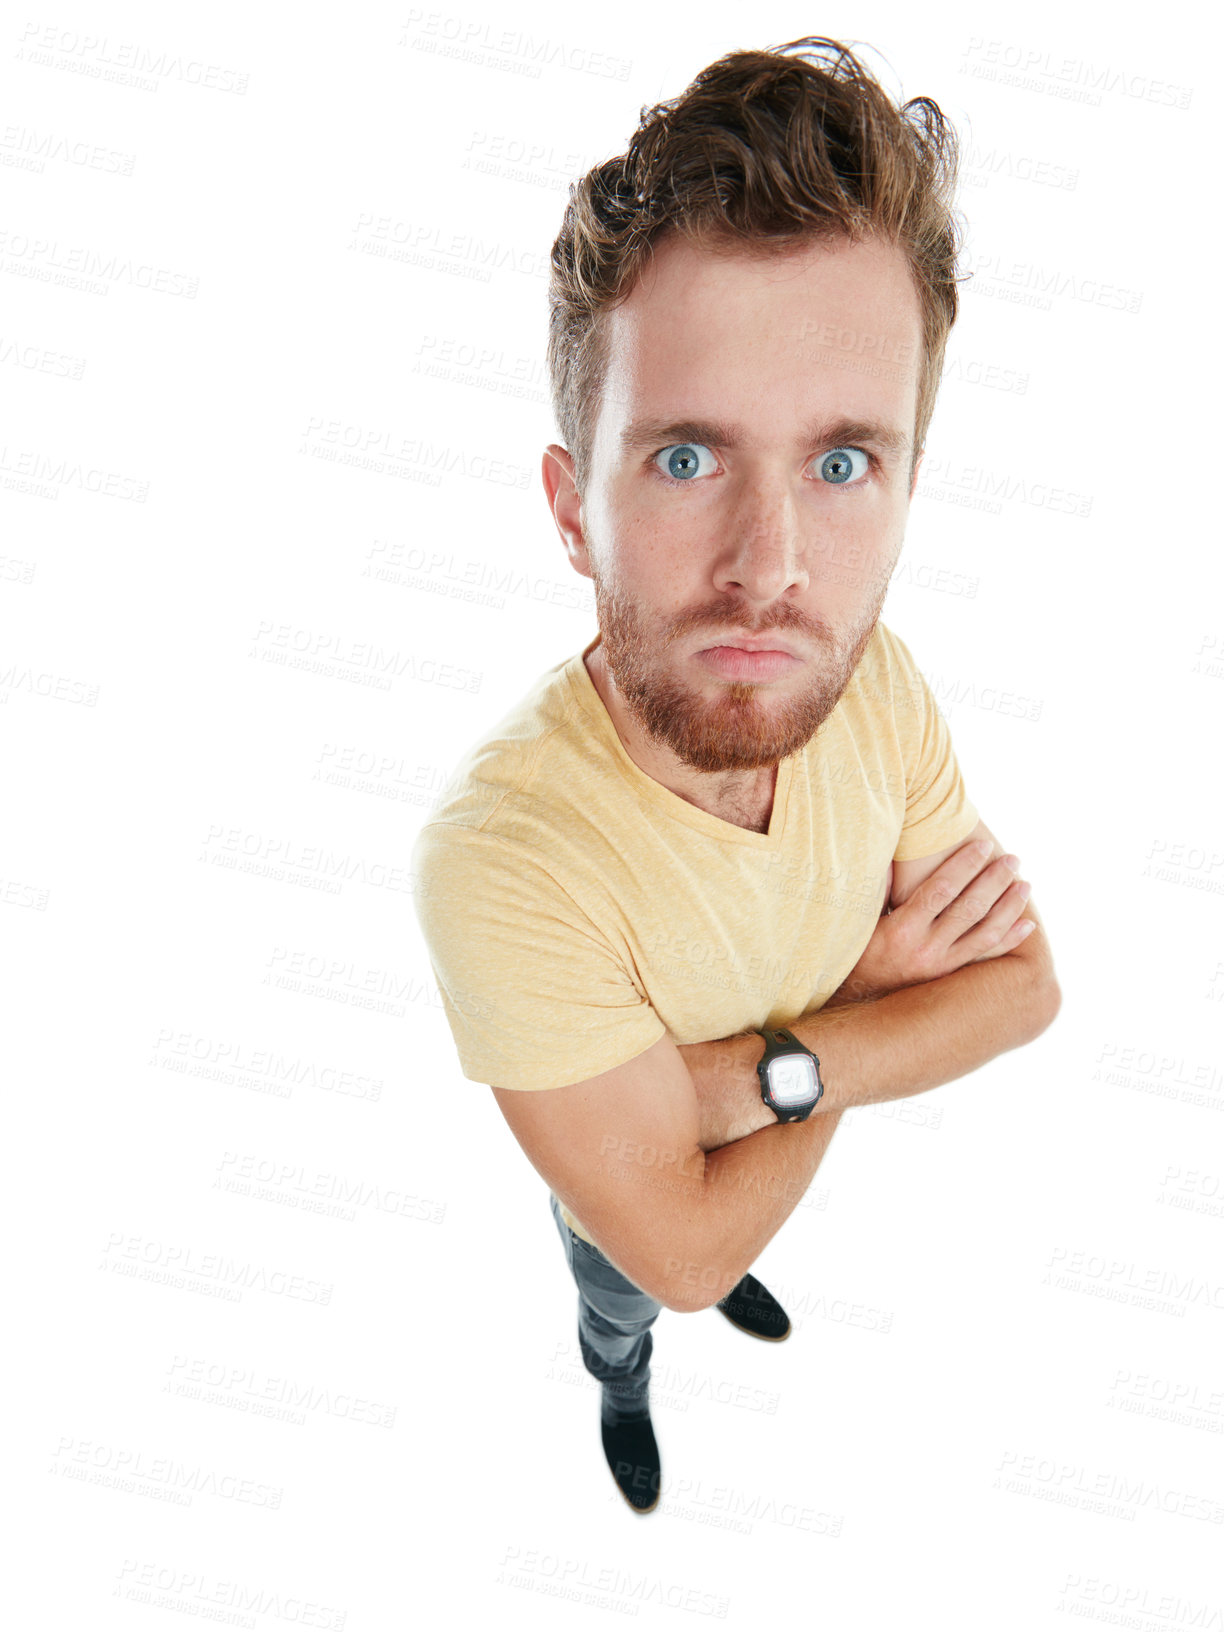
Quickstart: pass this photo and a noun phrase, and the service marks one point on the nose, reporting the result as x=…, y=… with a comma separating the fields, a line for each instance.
x=763, y=557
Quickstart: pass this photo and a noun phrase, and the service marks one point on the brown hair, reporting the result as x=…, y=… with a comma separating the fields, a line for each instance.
x=761, y=153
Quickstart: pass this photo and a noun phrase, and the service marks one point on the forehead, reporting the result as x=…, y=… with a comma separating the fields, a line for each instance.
x=822, y=331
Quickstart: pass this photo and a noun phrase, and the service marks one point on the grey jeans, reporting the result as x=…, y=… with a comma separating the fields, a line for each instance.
x=614, y=1321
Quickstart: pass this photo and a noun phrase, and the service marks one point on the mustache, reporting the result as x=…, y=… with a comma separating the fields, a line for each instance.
x=725, y=619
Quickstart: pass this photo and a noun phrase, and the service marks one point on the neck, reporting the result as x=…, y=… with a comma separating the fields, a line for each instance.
x=744, y=798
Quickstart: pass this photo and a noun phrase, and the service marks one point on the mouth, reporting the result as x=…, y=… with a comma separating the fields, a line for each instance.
x=736, y=662
x=751, y=643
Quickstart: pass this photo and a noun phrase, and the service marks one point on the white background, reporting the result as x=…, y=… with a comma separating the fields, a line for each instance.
x=237, y=667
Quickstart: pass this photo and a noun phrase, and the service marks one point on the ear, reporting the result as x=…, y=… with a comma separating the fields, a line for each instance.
x=557, y=470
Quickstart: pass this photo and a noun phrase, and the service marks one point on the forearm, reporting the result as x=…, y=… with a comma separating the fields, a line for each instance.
x=881, y=1048
x=906, y=1042
x=729, y=1102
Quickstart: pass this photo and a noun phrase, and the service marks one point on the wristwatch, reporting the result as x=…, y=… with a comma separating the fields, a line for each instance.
x=790, y=1075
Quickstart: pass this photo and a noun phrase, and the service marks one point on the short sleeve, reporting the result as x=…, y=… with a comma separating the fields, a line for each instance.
x=938, y=811
x=535, y=995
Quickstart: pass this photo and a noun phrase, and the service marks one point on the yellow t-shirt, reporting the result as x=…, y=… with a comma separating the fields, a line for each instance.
x=574, y=908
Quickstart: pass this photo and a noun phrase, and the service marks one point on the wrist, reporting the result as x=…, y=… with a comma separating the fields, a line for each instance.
x=854, y=989
x=729, y=1103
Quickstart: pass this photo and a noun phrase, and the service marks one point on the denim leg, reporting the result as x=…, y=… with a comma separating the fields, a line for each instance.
x=614, y=1321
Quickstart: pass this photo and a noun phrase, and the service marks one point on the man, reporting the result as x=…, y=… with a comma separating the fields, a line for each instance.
x=737, y=813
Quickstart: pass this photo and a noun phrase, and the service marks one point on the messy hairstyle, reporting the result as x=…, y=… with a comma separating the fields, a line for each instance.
x=762, y=153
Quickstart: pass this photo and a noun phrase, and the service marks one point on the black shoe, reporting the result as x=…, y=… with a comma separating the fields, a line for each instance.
x=633, y=1456
x=754, y=1309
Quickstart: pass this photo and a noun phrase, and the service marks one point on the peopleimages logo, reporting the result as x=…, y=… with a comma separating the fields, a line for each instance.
x=1124, y=1281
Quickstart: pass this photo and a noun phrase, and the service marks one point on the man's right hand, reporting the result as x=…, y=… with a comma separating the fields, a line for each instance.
x=966, y=911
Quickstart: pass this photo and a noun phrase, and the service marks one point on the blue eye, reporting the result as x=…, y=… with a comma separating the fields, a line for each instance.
x=682, y=460
x=683, y=464
x=838, y=466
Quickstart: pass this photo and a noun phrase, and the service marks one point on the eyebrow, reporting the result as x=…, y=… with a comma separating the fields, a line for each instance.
x=833, y=433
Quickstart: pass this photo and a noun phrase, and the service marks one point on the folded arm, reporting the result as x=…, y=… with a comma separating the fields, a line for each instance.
x=875, y=1046
x=683, y=1205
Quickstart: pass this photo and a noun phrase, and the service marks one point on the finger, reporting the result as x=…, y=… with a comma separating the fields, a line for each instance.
x=999, y=922
x=1016, y=935
x=977, y=898
x=947, y=881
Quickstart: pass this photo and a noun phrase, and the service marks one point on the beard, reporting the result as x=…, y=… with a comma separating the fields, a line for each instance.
x=745, y=727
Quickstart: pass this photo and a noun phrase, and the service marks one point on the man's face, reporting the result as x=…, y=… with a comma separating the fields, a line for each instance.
x=768, y=392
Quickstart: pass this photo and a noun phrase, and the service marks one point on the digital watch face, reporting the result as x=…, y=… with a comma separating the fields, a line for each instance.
x=792, y=1080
